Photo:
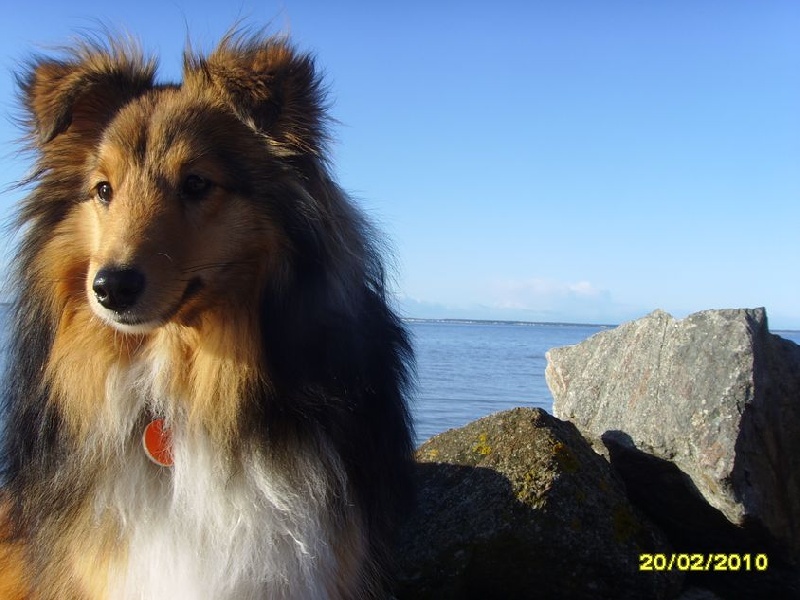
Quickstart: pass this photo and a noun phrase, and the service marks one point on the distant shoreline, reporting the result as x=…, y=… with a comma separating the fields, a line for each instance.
x=505, y=322
x=515, y=323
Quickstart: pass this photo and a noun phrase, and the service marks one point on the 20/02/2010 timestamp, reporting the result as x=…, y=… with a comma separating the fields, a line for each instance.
x=703, y=562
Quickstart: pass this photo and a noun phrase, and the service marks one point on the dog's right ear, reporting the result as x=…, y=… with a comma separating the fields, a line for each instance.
x=83, y=92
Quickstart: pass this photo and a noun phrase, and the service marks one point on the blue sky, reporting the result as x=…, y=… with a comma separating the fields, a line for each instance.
x=557, y=161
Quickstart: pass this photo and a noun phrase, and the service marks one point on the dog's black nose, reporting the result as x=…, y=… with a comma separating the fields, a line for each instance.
x=118, y=288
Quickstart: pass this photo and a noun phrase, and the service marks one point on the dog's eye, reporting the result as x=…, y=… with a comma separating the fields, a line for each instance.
x=104, y=192
x=195, y=187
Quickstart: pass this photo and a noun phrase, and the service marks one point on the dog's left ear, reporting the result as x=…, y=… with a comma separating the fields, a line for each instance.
x=270, y=86
x=83, y=91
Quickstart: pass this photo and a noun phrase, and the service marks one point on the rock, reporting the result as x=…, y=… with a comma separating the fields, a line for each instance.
x=701, y=417
x=517, y=505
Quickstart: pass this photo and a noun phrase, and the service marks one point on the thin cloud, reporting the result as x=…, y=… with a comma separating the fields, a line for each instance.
x=540, y=293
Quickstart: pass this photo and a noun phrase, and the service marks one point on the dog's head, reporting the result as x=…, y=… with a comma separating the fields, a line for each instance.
x=173, y=198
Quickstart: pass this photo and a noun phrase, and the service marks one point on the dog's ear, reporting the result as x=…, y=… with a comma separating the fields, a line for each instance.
x=271, y=87
x=84, y=91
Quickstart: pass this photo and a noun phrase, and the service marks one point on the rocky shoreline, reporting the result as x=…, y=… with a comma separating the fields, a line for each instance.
x=671, y=470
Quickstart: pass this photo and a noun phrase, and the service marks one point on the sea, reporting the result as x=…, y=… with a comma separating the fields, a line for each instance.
x=470, y=369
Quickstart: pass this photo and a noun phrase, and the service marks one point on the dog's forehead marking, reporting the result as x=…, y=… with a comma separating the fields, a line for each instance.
x=158, y=132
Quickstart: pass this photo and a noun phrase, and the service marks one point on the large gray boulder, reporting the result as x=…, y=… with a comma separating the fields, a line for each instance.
x=517, y=505
x=709, y=405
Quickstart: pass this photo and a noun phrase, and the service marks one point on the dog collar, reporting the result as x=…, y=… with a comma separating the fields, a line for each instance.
x=157, y=443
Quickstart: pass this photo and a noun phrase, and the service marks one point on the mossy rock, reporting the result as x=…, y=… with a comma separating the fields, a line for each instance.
x=517, y=505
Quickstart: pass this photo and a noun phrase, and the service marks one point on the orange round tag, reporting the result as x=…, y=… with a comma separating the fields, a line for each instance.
x=157, y=442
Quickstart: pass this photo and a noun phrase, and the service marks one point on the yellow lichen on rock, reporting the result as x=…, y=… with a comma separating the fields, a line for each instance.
x=482, y=446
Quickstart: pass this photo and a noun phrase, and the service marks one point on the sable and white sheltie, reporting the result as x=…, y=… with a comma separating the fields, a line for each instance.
x=188, y=268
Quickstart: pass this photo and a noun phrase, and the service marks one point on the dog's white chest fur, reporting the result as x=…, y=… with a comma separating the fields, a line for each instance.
x=207, y=528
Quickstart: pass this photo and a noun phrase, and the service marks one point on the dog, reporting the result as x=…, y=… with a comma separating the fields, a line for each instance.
x=207, y=386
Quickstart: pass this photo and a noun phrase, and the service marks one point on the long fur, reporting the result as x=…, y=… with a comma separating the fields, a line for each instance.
x=262, y=336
